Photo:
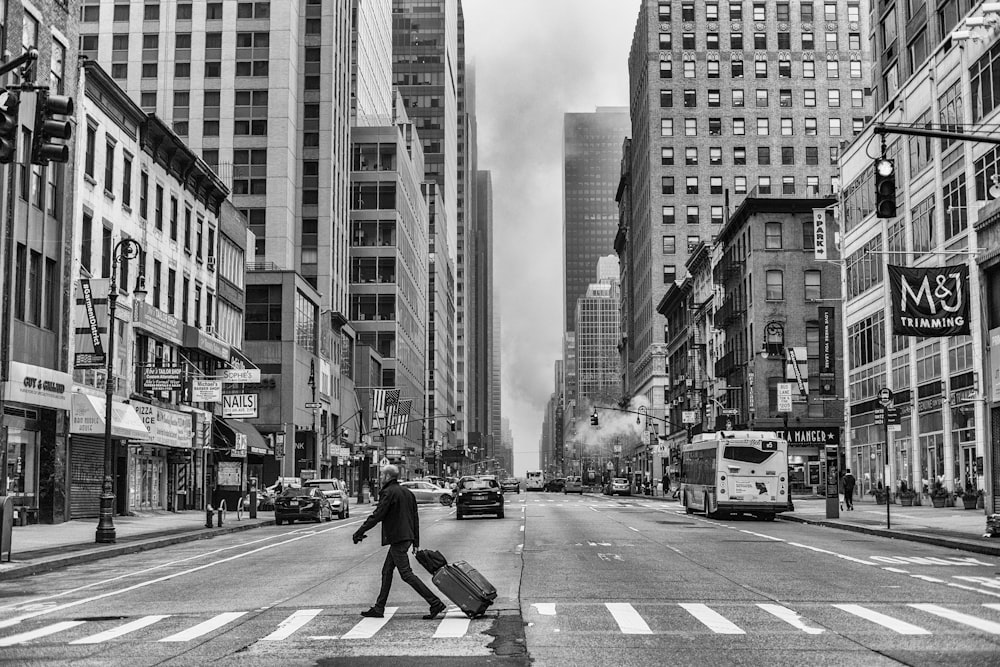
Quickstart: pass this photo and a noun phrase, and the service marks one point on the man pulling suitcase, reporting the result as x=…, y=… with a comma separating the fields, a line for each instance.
x=397, y=511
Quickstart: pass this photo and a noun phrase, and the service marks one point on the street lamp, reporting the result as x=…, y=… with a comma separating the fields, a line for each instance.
x=124, y=250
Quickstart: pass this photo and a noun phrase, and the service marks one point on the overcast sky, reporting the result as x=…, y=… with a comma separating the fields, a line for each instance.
x=536, y=60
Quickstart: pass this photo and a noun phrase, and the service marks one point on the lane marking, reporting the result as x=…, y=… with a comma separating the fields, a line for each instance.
x=896, y=570
x=628, y=619
x=924, y=577
x=766, y=537
x=367, y=627
x=204, y=627
x=832, y=553
x=712, y=619
x=631, y=528
x=977, y=623
x=17, y=619
x=992, y=605
x=454, y=624
x=40, y=632
x=790, y=617
x=291, y=624
x=114, y=633
x=545, y=608
x=894, y=624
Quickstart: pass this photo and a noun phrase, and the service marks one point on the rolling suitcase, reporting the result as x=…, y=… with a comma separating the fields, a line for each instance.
x=464, y=586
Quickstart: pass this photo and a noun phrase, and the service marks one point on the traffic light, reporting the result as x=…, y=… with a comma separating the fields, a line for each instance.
x=594, y=421
x=885, y=188
x=50, y=128
x=9, y=105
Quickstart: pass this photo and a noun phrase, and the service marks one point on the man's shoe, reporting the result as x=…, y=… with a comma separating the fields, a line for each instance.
x=435, y=611
x=373, y=613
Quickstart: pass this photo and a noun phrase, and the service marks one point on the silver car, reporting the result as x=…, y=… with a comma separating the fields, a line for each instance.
x=336, y=492
x=426, y=493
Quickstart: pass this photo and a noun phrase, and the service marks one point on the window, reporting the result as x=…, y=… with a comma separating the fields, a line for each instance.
x=808, y=236
x=764, y=185
x=667, y=156
x=690, y=98
x=787, y=155
x=669, y=245
x=693, y=217
x=253, y=10
x=953, y=198
x=263, y=312
x=664, y=10
x=736, y=41
x=187, y=230
x=736, y=11
x=250, y=112
x=250, y=171
x=857, y=98
x=760, y=41
x=834, y=127
x=666, y=99
x=806, y=12
x=739, y=155
x=666, y=127
x=831, y=41
x=855, y=69
x=666, y=69
x=667, y=185
x=784, y=41
x=740, y=185
x=687, y=11
x=759, y=12
x=715, y=155
x=664, y=41
x=788, y=185
x=763, y=127
x=690, y=127
x=829, y=11
x=714, y=98
x=712, y=68
x=785, y=97
x=126, y=179
x=736, y=69
x=812, y=155
x=689, y=71
x=143, y=195
x=89, y=158
x=761, y=97
x=763, y=155
x=715, y=185
x=687, y=41
x=669, y=274
x=173, y=218
x=786, y=127
x=772, y=235
x=760, y=69
x=808, y=42
x=712, y=41
x=691, y=185
x=213, y=11
x=812, y=285
x=832, y=69
x=86, y=241
x=158, y=210
x=810, y=127
x=667, y=215
x=716, y=213
x=171, y=291
x=737, y=97
x=739, y=126
x=711, y=11
x=775, y=285
x=808, y=69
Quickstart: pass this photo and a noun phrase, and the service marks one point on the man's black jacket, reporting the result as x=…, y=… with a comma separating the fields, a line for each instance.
x=397, y=510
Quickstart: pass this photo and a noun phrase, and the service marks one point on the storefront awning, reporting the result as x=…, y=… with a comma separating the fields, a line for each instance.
x=228, y=428
x=87, y=418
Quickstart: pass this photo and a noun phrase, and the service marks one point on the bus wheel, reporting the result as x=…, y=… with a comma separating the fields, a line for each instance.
x=687, y=508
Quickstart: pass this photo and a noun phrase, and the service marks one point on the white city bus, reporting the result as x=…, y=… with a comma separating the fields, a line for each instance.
x=534, y=480
x=735, y=472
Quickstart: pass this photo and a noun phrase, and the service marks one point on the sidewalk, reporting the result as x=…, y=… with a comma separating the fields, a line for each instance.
x=952, y=527
x=44, y=547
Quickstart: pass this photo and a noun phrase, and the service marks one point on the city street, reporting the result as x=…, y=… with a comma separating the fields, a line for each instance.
x=581, y=580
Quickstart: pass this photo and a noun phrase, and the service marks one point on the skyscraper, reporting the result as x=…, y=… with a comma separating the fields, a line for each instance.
x=598, y=333
x=591, y=160
x=726, y=99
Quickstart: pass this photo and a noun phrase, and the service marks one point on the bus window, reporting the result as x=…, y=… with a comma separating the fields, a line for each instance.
x=746, y=454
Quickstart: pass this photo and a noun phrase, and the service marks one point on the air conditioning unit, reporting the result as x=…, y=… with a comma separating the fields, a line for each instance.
x=211, y=262
x=210, y=330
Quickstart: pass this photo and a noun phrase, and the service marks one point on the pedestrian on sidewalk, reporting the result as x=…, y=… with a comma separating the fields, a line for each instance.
x=397, y=511
x=849, y=484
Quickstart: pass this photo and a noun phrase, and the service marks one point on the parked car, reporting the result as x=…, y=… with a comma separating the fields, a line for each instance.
x=511, y=484
x=479, y=495
x=425, y=492
x=574, y=484
x=296, y=504
x=619, y=486
x=555, y=484
x=335, y=491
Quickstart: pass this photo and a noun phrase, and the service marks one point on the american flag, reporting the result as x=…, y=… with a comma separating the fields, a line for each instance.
x=400, y=417
x=384, y=399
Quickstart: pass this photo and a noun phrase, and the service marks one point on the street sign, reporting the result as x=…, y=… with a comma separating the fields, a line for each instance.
x=383, y=462
x=313, y=406
x=731, y=411
x=885, y=396
x=689, y=416
x=785, y=396
x=239, y=405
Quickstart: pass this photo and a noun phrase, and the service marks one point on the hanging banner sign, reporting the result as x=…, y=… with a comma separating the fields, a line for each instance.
x=827, y=335
x=206, y=391
x=88, y=305
x=162, y=378
x=797, y=368
x=239, y=405
x=819, y=233
x=928, y=302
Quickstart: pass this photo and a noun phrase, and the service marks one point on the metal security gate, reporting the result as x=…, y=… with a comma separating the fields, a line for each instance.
x=86, y=472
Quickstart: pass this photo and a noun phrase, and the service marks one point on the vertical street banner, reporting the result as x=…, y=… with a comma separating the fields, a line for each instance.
x=827, y=351
x=819, y=233
x=931, y=301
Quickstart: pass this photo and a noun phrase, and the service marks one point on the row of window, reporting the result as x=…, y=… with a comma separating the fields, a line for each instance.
x=667, y=154
x=90, y=10
x=762, y=98
x=763, y=127
x=761, y=69
x=758, y=11
x=760, y=42
x=764, y=187
x=212, y=69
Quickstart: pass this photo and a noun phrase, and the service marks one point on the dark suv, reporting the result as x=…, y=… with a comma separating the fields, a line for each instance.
x=556, y=484
x=479, y=495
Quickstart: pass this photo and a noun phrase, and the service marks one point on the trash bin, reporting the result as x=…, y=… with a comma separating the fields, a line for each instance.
x=6, y=526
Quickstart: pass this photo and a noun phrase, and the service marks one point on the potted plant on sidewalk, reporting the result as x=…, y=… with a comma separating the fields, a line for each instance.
x=880, y=494
x=906, y=495
x=970, y=496
x=939, y=495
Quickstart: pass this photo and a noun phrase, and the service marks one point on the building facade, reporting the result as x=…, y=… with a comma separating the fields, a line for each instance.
x=597, y=334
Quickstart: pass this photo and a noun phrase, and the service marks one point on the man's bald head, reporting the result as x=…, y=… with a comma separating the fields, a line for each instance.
x=390, y=472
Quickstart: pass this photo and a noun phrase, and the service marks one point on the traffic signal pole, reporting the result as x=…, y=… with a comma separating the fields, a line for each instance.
x=884, y=128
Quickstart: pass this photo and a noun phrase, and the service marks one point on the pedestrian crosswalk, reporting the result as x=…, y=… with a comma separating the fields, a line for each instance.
x=625, y=618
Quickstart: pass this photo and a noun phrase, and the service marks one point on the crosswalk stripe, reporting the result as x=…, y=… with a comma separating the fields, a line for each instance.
x=712, y=619
x=790, y=617
x=288, y=626
x=894, y=624
x=205, y=627
x=992, y=605
x=628, y=619
x=454, y=624
x=367, y=627
x=40, y=632
x=978, y=623
x=114, y=633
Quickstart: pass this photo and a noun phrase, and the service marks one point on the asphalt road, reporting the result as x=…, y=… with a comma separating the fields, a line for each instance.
x=582, y=580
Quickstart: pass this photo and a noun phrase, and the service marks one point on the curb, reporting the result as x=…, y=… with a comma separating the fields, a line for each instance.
x=30, y=568
x=951, y=543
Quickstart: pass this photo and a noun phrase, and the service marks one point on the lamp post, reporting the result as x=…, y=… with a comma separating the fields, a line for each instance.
x=124, y=250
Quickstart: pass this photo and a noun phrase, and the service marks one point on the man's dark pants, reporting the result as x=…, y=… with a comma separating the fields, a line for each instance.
x=396, y=559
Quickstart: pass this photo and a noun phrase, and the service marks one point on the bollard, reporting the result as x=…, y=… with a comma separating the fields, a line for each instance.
x=253, y=504
x=219, y=514
x=208, y=517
